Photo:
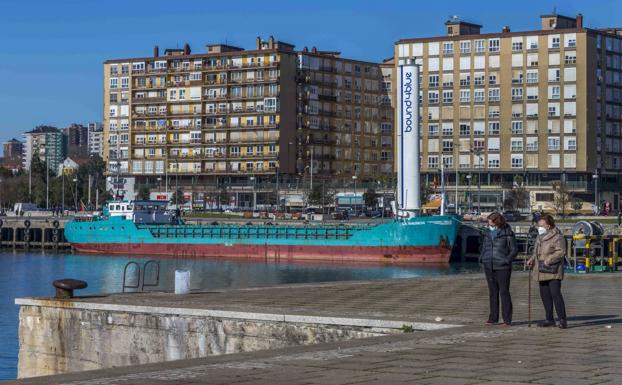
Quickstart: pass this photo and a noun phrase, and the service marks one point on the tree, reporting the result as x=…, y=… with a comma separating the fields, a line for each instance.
x=321, y=195
x=577, y=204
x=426, y=191
x=178, y=197
x=143, y=192
x=562, y=197
x=314, y=196
x=370, y=197
x=223, y=197
x=517, y=198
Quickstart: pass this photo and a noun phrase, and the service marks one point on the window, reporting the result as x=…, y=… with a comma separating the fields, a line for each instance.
x=432, y=129
x=494, y=94
x=493, y=128
x=570, y=143
x=570, y=40
x=478, y=128
x=465, y=80
x=448, y=129
x=554, y=41
x=517, y=94
x=448, y=145
x=517, y=161
x=433, y=97
x=516, y=144
x=465, y=96
x=465, y=47
x=479, y=96
x=532, y=42
x=532, y=76
x=113, y=83
x=517, y=127
x=532, y=60
x=448, y=64
x=448, y=80
x=478, y=79
x=448, y=48
x=554, y=74
x=433, y=161
x=493, y=45
x=492, y=79
x=570, y=58
x=553, y=109
x=494, y=161
x=532, y=144
x=448, y=96
x=433, y=81
x=465, y=129
x=554, y=92
x=553, y=143
x=517, y=46
x=479, y=46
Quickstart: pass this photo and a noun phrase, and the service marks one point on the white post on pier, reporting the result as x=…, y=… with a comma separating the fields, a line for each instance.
x=408, y=168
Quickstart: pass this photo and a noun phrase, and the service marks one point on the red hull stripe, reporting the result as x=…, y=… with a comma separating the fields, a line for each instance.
x=396, y=254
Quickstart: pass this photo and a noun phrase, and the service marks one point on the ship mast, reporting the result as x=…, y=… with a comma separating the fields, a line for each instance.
x=409, y=158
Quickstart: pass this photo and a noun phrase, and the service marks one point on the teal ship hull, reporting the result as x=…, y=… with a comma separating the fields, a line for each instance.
x=422, y=239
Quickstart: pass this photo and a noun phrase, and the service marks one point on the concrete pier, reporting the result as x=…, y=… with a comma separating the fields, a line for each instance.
x=438, y=352
x=33, y=233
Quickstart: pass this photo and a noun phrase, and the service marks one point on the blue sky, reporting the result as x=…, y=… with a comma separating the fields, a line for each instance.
x=51, y=52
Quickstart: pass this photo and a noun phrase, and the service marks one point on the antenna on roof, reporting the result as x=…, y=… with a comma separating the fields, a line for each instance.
x=555, y=11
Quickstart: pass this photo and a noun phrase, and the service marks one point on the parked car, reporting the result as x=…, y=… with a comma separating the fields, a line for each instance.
x=341, y=215
x=513, y=216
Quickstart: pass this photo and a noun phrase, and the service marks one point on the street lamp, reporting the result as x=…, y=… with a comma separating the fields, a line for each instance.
x=252, y=178
x=75, y=196
x=478, y=152
x=596, y=200
x=354, y=177
x=469, y=192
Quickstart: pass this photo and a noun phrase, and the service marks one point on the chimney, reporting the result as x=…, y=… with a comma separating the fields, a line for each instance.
x=271, y=42
x=580, y=21
x=314, y=50
x=305, y=49
x=506, y=29
x=156, y=51
x=187, y=49
x=258, y=43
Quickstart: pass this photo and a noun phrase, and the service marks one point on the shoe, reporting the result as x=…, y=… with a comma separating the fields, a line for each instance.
x=563, y=324
x=546, y=324
x=507, y=324
x=490, y=323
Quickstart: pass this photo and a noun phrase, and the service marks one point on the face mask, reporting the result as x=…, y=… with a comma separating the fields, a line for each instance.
x=541, y=230
x=492, y=228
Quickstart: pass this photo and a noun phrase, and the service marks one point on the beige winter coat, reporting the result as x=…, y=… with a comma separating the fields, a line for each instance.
x=551, y=248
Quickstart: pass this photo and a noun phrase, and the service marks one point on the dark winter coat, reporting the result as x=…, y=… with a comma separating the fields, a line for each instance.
x=498, y=252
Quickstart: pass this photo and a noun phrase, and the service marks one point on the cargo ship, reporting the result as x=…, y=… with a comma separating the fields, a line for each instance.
x=145, y=227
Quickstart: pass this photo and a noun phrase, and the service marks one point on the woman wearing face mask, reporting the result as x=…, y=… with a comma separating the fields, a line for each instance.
x=548, y=269
x=498, y=251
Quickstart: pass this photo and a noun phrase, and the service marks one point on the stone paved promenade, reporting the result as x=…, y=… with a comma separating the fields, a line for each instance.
x=588, y=352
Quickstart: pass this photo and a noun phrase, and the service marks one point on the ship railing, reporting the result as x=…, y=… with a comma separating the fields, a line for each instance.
x=255, y=232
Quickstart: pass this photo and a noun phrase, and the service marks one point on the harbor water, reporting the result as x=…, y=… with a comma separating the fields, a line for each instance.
x=28, y=274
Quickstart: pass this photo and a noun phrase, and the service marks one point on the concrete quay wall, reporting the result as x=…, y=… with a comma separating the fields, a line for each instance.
x=57, y=337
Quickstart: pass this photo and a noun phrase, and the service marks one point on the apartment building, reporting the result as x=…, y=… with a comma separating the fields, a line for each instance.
x=46, y=142
x=95, y=139
x=529, y=107
x=234, y=116
x=345, y=119
x=12, y=154
x=77, y=141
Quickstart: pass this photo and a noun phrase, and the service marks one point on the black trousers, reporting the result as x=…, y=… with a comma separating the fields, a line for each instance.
x=551, y=293
x=499, y=286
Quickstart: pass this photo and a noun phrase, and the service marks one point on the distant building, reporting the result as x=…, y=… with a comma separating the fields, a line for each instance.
x=12, y=154
x=46, y=142
x=96, y=138
x=77, y=141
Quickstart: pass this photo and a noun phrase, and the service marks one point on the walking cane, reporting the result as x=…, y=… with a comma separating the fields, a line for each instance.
x=529, y=300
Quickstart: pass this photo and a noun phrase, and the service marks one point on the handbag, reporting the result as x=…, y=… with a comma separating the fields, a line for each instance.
x=548, y=269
